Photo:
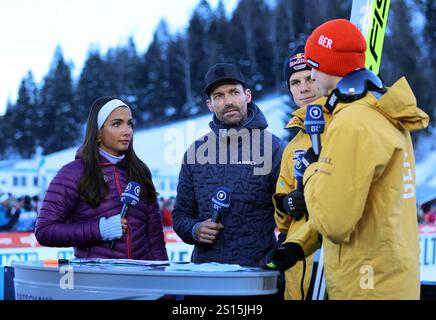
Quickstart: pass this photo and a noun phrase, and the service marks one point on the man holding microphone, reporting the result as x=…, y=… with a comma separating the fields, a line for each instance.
x=360, y=192
x=238, y=158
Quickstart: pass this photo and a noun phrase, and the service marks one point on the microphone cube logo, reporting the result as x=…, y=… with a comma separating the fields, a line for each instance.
x=137, y=191
x=314, y=122
x=221, y=195
x=315, y=111
x=131, y=194
x=298, y=164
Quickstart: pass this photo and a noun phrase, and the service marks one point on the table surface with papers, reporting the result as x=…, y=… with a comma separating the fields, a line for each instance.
x=95, y=279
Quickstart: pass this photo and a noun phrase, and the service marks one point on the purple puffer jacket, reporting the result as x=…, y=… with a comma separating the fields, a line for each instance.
x=65, y=220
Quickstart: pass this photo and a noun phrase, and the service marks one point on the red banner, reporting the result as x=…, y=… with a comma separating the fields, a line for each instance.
x=10, y=240
x=18, y=240
x=427, y=228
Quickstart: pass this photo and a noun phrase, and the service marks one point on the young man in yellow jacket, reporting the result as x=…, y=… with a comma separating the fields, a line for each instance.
x=360, y=192
x=304, y=90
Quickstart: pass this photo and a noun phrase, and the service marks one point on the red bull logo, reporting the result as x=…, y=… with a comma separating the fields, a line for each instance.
x=299, y=56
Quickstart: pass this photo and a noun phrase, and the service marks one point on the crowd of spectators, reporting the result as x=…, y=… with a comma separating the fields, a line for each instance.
x=427, y=213
x=166, y=208
x=18, y=214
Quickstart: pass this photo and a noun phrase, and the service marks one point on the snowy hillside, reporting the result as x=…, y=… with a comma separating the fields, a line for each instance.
x=162, y=148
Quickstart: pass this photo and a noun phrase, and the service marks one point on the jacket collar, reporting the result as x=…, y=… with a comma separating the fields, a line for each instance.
x=299, y=115
x=255, y=120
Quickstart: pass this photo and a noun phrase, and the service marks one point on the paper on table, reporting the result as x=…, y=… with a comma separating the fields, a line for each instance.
x=120, y=261
x=210, y=267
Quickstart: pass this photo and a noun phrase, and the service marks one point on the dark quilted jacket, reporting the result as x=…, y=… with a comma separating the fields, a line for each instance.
x=249, y=224
x=65, y=220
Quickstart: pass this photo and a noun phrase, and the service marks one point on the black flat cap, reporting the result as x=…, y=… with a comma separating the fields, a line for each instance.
x=221, y=72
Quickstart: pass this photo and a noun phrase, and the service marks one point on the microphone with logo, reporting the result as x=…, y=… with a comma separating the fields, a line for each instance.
x=220, y=203
x=314, y=124
x=129, y=198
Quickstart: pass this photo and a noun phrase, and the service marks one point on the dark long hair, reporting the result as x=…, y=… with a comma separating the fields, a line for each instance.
x=92, y=187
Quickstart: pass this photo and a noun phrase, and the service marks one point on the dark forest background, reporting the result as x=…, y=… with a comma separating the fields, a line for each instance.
x=165, y=82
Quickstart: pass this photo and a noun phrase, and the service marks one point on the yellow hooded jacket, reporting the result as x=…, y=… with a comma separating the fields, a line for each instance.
x=361, y=197
x=286, y=225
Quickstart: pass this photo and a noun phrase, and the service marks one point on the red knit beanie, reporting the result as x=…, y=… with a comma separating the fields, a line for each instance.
x=336, y=47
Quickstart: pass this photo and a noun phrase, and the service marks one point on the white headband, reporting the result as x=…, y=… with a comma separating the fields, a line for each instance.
x=107, y=109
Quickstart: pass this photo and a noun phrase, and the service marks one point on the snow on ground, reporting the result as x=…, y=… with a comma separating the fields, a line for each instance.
x=162, y=148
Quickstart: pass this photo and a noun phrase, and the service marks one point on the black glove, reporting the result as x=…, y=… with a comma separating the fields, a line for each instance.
x=285, y=257
x=267, y=258
x=294, y=204
x=302, y=163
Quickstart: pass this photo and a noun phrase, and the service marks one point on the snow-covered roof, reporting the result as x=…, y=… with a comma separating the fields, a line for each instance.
x=54, y=161
x=21, y=165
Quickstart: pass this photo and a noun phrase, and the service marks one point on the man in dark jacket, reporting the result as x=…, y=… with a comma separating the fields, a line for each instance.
x=238, y=154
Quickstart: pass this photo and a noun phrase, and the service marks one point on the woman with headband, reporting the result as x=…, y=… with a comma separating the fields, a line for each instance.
x=81, y=207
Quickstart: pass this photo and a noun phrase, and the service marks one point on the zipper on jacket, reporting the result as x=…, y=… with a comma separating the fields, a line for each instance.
x=303, y=297
x=128, y=237
x=303, y=275
x=224, y=183
x=129, y=241
x=117, y=180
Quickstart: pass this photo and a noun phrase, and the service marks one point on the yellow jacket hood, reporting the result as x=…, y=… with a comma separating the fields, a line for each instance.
x=399, y=106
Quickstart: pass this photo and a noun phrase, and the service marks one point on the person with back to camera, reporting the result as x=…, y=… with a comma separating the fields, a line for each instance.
x=82, y=205
x=360, y=192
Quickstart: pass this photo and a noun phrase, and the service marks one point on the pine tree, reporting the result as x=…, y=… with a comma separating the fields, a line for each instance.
x=284, y=39
x=6, y=136
x=251, y=44
x=130, y=67
x=263, y=49
x=92, y=83
x=317, y=12
x=243, y=37
x=121, y=64
x=408, y=63
x=198, y=48
x=59, y=120
x=277, y=56
x=2, y=137
x=217, y=35
x=24, y=118
x=429, y=45
x=154, y=94
x=181, y=101
x=9, y=104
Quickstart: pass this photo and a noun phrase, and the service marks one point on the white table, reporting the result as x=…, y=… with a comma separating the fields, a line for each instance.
x=35, y=280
